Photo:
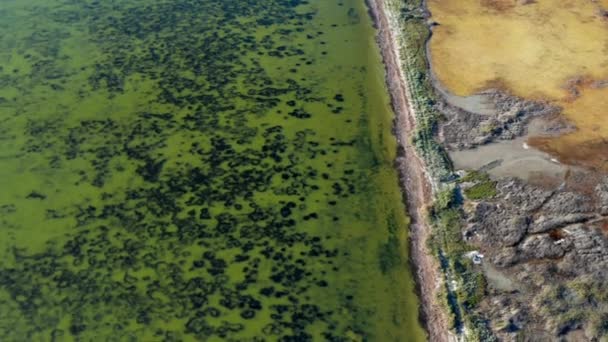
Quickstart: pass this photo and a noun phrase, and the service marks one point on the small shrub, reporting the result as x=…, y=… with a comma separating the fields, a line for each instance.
x=484, y=186
x=481, y=191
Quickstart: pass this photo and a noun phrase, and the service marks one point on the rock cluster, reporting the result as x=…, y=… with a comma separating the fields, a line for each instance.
x=542, y=239
x=551, y=241
x=464, y=129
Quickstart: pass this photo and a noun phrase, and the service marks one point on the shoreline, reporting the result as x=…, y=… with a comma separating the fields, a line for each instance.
x=496, y=208
x=414, y=180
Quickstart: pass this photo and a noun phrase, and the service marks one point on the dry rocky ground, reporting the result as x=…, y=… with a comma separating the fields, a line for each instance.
x=544, y=240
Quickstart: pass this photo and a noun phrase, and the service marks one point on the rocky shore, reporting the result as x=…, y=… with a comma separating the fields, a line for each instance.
x=550, y=241
x=523, y=251
x=507, y=120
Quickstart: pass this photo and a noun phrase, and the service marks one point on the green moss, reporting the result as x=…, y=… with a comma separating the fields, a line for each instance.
x=481, y=191
x=445, y=199
x=447, y=235
x=475, y=176
x=483, y=188
x=389, y=255
x=473, y=283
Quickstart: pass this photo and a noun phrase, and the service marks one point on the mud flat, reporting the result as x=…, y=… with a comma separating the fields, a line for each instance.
x=493, y=111
x=509, y=159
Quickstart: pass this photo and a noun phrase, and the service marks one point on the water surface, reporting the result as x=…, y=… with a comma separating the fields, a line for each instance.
x=189, y=170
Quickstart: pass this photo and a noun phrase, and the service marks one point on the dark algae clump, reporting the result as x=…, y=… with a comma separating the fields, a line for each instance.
x=181, y=170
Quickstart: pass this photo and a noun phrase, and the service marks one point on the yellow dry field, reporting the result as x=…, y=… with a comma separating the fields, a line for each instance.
x=555, y=50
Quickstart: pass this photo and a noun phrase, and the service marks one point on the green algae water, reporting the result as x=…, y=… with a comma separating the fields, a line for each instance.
x=181, y=170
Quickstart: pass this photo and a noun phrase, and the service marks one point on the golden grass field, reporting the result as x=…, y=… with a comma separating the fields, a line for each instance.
x=555, y=50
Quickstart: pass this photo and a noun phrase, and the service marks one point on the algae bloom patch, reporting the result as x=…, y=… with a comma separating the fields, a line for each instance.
x=182, y=170
x=546, y=49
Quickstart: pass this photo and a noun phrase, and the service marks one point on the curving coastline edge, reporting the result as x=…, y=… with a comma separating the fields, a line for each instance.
x=416, y=181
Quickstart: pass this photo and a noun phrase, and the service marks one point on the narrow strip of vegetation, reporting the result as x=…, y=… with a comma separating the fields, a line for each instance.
x=465, y=283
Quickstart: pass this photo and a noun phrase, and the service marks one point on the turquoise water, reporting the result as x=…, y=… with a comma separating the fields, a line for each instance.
x=198, y=170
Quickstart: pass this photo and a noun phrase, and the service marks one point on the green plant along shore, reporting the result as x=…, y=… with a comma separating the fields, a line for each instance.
x=409, y=18
x=196, y=169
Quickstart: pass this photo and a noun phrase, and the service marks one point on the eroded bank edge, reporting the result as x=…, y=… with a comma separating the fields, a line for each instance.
x=461, y=285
